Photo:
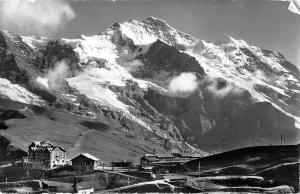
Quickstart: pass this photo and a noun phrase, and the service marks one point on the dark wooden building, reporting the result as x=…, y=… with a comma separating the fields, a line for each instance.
x=166, y=159
x=85, y=162
x=121, y=164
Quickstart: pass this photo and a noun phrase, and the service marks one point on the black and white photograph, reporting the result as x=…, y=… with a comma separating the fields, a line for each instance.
x=149, y=96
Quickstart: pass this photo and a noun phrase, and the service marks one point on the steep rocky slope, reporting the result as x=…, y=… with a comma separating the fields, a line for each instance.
x=121, y=77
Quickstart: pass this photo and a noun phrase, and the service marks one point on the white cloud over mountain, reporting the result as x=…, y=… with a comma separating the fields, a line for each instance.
x=40, y=17
x=184, y=83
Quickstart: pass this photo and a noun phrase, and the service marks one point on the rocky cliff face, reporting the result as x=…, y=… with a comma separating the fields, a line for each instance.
x=3, y=148
x=162, y=62
x=8, y=152
x=244, y=95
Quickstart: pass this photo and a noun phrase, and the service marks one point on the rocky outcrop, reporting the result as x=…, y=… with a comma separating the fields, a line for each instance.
x=3, y=148
x=3, y=126
x=218, y=124
x=282, y=61
x=8, y=66
x=8, y=152
x=11, y=114
x=17, y=64
x=56, y=51
x=163, y=61
x=133, y=96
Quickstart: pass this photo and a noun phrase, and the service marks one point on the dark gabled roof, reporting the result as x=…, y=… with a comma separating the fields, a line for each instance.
x=154, y=157
x=121, y=162
x=151, y=158
x=86, y=155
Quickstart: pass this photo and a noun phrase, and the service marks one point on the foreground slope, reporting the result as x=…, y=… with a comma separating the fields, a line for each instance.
x=277, y=163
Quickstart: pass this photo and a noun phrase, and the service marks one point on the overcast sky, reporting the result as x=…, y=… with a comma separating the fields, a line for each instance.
x=267, y=24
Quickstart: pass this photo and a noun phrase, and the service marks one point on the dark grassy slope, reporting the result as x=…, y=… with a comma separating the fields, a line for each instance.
x=280, y=164
x=106, y=141
x=256, y=158
x=284, y=174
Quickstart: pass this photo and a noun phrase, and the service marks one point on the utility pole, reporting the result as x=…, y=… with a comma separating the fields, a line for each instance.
x=248, y=162
x=281, y=140
x=224, y=142
x=75, y=185
x=199, y=169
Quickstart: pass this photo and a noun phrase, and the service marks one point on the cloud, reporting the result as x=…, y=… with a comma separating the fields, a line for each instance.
x=221, y=88
x=56, y=76
x=39, y=17
x=261, y=75
x=132, y=65
x=115, y=0
x=185, y=83
x=295, y=6
x=270, y=78
x=225, y=91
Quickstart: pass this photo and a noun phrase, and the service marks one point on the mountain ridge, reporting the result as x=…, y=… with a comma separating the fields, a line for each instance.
x=122, y=75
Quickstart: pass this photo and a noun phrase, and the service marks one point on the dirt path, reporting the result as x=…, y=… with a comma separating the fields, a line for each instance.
x=78, y=143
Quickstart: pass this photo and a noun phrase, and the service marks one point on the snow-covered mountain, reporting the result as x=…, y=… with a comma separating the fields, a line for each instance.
x=244, y=95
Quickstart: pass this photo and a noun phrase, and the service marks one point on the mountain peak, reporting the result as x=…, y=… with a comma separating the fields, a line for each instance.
x=237, y=42
x=156, y=22
x=149, y=30
x=130, y=89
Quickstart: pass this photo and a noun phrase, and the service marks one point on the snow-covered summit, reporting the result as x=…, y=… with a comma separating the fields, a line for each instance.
x=267, y=75
x=149, y=30
x=236, y=61
x=127, y=69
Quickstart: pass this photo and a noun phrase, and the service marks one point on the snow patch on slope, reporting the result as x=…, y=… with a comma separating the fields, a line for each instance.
x=115, y=63
x=43, y=81
x=33, y=42
x=138, y=34
x=18, y=93
x=105, y=63
x=227, y=61
x=95, y=89
x=90, y=47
